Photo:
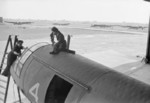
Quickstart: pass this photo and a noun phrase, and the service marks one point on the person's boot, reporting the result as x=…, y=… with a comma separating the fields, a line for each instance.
x=71, y=51
x=53, y=52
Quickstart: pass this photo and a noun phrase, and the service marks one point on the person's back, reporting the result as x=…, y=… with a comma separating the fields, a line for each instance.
x=60, y=37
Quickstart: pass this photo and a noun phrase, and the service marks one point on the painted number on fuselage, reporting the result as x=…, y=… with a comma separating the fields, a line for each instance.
x=34, y=91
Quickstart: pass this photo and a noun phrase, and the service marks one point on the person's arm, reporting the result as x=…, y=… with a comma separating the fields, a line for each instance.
x=22, y=47
x=17, y=50
x=52, y=38
x=18, y=54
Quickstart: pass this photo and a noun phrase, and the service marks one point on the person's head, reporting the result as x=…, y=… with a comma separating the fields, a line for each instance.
x=54, y=30
x=19, y=42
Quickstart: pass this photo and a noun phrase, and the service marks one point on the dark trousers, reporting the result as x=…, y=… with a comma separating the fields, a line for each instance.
x=10, y=60
x=60, y=46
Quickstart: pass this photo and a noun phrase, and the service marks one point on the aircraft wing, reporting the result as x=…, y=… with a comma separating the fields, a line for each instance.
x=133, y=67
x=110, y=58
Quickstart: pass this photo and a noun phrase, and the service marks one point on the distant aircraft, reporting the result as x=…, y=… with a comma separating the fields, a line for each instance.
x=71, y=78
x=18, y=23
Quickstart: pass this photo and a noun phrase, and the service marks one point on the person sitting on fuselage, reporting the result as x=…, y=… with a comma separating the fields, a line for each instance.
x=60, y=45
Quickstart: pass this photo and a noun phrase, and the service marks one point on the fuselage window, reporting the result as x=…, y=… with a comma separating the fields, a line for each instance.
x=19, y=68
x=58, y=90
x=15, y=66
x=36, y=46
x=21, y=61
x=25, y=50
x=25, y=56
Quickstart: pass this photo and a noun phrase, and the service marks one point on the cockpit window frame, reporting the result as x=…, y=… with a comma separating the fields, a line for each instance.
x=25, y=55
x=38, y=45
x=29, y=51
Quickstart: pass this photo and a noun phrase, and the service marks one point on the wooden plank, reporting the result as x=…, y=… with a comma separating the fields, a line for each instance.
x=2, y=98
x=2, y=93
x=3, y=81
x=3, y=78
x=2, y=87
x=2, y=84
x=2, y=90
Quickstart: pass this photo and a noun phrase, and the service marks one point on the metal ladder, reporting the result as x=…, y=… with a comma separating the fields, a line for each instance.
x=4, y=81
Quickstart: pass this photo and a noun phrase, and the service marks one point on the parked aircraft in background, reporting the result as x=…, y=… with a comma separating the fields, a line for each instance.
x=18, y=23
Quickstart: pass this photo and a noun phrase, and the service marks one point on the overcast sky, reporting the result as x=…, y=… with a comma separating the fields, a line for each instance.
x=77, y=10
